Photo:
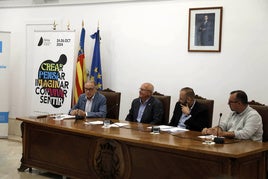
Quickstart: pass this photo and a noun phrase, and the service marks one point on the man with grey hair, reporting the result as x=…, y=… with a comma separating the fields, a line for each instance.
x=146, y=108
x=91, y=104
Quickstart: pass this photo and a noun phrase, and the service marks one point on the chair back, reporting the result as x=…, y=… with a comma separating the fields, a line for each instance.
x=166, y=105
x=112, y=102
x=210, y=104
x=262, y=109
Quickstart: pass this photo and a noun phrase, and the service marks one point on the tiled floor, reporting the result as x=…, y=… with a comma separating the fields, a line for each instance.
x=10, y=154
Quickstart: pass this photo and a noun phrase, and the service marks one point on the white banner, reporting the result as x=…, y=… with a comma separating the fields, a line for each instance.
x=52, y=78
x=4, y=81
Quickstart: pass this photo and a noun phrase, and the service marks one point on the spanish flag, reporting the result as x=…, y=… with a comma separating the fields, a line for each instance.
x=81, y=74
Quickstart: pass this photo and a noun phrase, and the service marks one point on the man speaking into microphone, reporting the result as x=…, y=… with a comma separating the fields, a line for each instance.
x=243, y=122
x=91, y=103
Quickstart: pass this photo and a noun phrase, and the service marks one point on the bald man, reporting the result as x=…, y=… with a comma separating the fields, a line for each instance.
x=146, y=108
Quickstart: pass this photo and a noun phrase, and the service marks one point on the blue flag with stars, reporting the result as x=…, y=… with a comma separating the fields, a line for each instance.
x=95, y=72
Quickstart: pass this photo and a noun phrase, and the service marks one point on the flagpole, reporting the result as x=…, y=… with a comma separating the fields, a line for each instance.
x=68, y=25
x=54, y=25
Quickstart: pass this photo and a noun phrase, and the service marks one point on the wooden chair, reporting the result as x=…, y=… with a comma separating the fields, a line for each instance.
x=113, y=103
x=166, y=105
x=210, y=104
x=262, y=109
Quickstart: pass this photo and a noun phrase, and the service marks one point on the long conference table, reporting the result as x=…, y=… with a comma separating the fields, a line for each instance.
x=72, y=148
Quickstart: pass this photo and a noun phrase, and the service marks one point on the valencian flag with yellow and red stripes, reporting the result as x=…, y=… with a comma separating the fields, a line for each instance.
x=81, y=74
x=95, y=72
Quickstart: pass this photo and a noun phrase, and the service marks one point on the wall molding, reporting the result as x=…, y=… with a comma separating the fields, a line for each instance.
x=42, y=3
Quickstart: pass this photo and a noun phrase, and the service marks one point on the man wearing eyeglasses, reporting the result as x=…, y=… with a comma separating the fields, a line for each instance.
x=243, y=122
x=146, y=108
x=91, y=103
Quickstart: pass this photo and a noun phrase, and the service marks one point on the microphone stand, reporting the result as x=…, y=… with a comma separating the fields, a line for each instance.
x=110, y=121
x=219, y=140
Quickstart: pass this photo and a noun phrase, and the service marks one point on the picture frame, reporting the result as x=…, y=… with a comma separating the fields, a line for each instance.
x=205, y=29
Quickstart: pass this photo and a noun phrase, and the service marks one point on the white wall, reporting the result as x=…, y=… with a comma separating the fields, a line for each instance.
x=147, y=41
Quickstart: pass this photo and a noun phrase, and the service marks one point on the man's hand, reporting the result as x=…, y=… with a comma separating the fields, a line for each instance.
x=78, y=112
x=185, y=109
x=211, y=131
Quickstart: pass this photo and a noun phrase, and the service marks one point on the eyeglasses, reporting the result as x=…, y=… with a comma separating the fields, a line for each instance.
x=142, y=89
x=89, y=89
x=229, y=102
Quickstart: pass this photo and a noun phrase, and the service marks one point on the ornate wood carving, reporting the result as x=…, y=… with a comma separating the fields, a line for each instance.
x=111, y=159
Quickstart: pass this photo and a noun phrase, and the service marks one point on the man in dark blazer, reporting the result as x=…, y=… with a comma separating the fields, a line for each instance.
x=146, y=109
x=91, y=103
x=188, y=113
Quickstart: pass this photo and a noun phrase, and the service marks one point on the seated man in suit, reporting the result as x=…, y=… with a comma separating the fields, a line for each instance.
x=91, y=103
x=188, y=113
x=146, y=109
x=243, y=122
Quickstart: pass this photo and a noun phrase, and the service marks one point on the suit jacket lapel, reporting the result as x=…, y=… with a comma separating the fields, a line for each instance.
x=147, y=109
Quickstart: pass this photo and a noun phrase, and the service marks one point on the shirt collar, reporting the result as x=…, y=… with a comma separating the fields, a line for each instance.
x=193, y=105
x=145, y=102
x=91, y=97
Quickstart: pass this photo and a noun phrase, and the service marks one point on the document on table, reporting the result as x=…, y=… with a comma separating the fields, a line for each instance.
x=118, y=124
x=206, y=136
x=62, y=116
x=94, y=122
x=170, y=128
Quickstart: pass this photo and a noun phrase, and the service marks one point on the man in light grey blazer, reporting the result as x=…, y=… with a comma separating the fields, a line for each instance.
x=91, y=103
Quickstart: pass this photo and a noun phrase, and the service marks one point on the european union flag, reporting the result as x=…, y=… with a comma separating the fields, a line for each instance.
x=95, y=72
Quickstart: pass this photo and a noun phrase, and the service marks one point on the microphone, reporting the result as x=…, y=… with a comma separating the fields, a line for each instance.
x=108, y=111
x=219, y=140
x=114, y=106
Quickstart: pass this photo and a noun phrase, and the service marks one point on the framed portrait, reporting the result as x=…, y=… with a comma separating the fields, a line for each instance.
x=204, y=33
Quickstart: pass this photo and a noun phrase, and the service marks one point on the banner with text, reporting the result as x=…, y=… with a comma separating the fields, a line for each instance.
x=4, y=81
x=53, y=66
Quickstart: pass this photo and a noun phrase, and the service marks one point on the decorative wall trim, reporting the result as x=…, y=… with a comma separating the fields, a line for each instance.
x=41, y=3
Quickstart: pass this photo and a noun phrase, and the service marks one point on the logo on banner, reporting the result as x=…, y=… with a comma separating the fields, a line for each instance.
x=44, y=41
x=51, y=85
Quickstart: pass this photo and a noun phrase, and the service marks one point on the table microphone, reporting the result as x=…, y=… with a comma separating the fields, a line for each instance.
x=219, y=140
x=108, y=111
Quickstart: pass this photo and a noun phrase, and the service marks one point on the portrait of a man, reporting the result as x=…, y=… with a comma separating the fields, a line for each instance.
x=204, y=32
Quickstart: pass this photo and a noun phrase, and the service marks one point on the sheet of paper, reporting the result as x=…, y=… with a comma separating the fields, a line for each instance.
x=177, y=129
x=204, y=136
x=170, y=128
x=59, y=117
x=94, y=122
x=118, y=124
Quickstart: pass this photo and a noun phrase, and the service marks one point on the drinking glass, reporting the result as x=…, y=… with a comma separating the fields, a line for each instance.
x=106, y=123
